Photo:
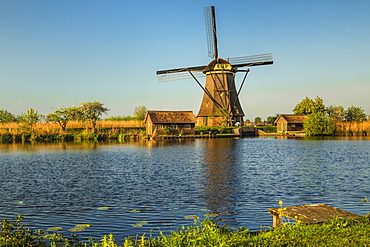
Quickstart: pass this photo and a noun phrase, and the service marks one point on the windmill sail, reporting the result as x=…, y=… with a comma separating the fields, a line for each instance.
x=255, y=60
x=210, y=21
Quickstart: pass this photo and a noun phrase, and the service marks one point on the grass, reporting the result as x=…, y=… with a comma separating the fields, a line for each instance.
x=268, y=129
x=10, y=132
x=336, y=232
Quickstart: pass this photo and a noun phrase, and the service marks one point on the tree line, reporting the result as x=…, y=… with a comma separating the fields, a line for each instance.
x=321, y=119
x=88, y=113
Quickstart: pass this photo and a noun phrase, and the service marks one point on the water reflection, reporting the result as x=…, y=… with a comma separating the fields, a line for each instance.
x=220, y=178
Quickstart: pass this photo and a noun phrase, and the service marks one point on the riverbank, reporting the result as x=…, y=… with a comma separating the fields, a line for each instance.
x=336, y=232
x=134, y=130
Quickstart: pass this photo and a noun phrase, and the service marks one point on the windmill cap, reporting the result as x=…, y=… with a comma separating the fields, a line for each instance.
x=218, y=64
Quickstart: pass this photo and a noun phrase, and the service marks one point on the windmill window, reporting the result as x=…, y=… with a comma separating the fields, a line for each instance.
x=160, y=126
x=173, y=126
x=206, y=104
x=187, y=126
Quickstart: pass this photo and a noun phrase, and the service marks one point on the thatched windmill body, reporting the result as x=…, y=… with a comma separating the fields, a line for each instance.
x=221, y=97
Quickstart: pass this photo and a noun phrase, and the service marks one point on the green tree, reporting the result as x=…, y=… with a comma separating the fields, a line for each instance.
x=7, y=117
x=140, y=112
x=90, y=112
x=354, y=113
x=308, y=106
x=30, y=118
x=257, y=120
x=318, y=124
x=336, y=113
x=271, y=119
x=62, y=116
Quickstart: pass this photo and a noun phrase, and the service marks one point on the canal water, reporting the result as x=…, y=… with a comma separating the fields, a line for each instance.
x=130, y=188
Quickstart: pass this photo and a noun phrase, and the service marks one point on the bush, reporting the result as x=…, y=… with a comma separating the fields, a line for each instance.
x=317, y=124
x=16, y=234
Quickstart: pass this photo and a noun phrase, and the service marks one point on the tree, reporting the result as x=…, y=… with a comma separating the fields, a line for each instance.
x=354, y=113
x=90, y=112
x=336, y=113
x=308, y=106
x=140, y=112
x=271, y=119
x=318, y=124
x=31, y=118
x=257, y=120
x=7, y=117
x=62, y=116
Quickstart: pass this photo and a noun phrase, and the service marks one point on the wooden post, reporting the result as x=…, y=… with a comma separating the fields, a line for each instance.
x=275, y=220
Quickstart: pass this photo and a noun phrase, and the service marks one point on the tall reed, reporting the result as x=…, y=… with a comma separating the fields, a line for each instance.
x=353, y=128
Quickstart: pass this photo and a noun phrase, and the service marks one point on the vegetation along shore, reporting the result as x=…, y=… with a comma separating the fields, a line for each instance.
x=335, y=232
x=85, y=122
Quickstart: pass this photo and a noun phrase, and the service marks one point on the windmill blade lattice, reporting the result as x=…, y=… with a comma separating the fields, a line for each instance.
x=179, y=75
x=210, y=21
x=254, y=60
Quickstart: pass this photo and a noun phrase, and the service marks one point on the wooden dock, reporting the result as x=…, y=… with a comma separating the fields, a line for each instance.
x=309, y=214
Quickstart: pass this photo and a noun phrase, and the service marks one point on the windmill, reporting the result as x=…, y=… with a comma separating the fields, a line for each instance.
x=221, y=97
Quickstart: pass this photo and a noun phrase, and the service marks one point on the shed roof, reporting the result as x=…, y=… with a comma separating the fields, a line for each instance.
x=176, y=117
x=291, y=118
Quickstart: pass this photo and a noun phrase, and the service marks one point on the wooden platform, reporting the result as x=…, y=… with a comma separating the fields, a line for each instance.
x=309, y=214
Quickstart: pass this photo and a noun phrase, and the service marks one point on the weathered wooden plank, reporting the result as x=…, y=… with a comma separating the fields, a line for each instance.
x=309, y=214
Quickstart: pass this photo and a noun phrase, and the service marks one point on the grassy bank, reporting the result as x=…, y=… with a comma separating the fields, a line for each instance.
x=114, y=130
x=336, y=232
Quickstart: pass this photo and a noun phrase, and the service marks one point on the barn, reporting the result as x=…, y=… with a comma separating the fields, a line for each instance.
x=290, y=122
x=170, y=123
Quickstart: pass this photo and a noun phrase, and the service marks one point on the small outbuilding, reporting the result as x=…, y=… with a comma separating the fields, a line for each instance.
x=170, y=123
x=290, y=122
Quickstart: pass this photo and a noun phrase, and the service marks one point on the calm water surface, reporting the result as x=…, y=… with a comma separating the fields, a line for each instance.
x=160, y=182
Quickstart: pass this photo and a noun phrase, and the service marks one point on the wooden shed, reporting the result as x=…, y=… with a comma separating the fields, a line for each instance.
x=290, y=122
x=170, y=122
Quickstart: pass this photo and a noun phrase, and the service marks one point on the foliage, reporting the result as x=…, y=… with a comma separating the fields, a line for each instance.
x=336, y=113
x=257, y=120
x=213, y=129
x=140, y=112
x=354, y=113
x=224, y=117
x=268, y=129
x=271, y=119
x=90, y=112
x=247, y=121
x=30, y=118
x=318, y=124
x=338, y=232
x=119, y=118
x=16, y=234
x=62, y=116
x=7, y=117
x=167, y=130
x=308, y=106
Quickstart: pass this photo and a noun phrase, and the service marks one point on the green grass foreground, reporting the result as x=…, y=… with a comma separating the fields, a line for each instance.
x=336, y=232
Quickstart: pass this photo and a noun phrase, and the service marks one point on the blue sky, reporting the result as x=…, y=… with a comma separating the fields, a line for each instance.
x=61, y=53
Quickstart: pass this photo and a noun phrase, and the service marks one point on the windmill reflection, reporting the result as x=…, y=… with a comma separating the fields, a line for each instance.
x=220, y=179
